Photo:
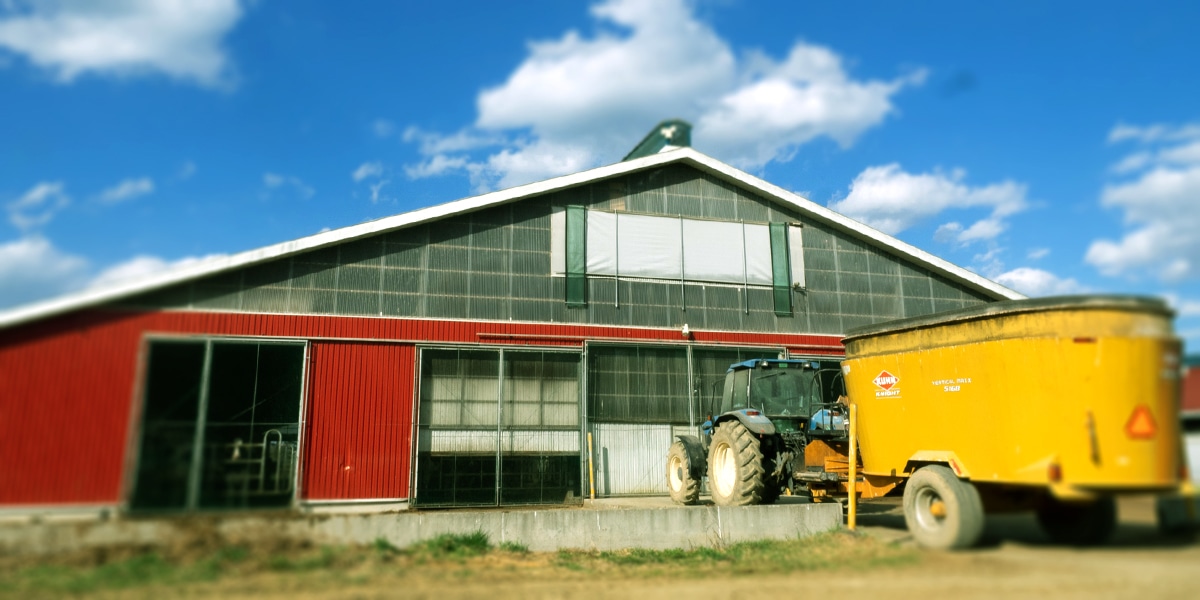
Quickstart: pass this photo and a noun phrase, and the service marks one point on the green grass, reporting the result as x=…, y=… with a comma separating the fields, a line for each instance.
x=454, y=546
x=325, y=559
x=143, y=569
x=454, y=555
x=827, y=551
x=514, y=548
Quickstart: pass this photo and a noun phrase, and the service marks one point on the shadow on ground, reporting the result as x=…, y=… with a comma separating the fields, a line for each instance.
x=1136, y=527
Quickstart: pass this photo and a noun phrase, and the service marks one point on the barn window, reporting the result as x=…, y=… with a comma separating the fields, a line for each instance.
x=592, y=243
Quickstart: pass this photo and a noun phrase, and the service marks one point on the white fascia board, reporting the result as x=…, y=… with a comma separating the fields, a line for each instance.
x=841, y=221
x=213, y=266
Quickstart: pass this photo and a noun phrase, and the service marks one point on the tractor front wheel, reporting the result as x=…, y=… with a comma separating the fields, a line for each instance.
x=735, y=466
x=684, y=488
x=942, y=511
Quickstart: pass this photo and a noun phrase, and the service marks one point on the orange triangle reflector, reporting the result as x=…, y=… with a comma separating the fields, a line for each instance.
x=1141, y=425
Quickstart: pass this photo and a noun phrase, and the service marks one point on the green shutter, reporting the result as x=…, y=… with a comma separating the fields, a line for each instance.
x=781, y=272
x=576, y=256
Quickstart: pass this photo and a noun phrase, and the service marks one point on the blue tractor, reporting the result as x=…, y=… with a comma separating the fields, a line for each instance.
x=752, y=443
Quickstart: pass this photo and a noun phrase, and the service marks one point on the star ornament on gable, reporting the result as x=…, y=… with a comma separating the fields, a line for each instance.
x=668, y=132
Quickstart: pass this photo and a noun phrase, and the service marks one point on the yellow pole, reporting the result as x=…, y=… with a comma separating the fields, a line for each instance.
x=853, y=486
x=591, y=471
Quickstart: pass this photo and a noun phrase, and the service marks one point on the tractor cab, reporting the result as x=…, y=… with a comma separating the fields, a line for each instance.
x=794, y=395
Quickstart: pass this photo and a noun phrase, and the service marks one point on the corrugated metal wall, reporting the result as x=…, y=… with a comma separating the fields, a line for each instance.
x=69, y=385
x=630, y=458
x=65, y=390
x=358, y=423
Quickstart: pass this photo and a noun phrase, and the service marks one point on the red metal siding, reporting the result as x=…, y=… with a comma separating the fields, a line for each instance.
x=1191, y=390
x=68, y=390
x=358, y=425
x=64, y=411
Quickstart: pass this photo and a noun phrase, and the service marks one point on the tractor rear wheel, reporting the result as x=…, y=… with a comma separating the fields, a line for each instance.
x=1078, y=523
x=735, y=466
x=942, y=511
x=684, y=488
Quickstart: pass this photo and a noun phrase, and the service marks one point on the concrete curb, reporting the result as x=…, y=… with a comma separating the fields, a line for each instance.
x=539, y=530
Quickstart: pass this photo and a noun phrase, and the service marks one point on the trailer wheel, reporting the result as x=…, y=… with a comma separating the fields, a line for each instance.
x=735, y=469
x=942, y=511
x=1078, y=523
x=684, y=488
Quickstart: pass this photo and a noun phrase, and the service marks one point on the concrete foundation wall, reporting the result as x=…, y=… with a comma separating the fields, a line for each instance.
x=539, y=530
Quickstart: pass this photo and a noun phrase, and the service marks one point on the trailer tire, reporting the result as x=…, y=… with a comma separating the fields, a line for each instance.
x=683, y=486
x=1078, y=523
x=735, y=466
x=942, y=511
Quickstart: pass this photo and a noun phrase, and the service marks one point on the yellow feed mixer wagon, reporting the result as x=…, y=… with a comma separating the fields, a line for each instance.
x=1054, y=404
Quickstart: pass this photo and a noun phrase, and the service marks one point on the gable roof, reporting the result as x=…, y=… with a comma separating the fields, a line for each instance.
x=673, y=155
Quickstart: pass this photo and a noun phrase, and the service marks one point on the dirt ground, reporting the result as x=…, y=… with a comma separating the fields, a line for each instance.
x=1016, y=561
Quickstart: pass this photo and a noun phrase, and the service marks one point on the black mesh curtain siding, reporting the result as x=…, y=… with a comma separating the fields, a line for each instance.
x=498, y=427
x=496, y=264
x=637, y=385
x=638, y=399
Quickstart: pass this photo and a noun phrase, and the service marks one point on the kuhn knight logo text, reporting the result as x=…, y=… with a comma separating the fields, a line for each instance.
x=886, y=382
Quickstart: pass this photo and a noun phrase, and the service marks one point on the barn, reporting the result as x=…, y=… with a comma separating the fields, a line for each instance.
x=526, y=346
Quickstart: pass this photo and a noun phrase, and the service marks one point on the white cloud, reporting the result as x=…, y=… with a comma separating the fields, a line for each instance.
x=1188, y=308
x=807, y=96
x=1133, y=162
x=178, y=38
x=1158, y=202
x=38, y=206
x=892, y=200
x=375, y=171
x=1186, y=154
x=591, y=97
x=368, y=169
x=376, y=187
x=1036, y=282
x=1038, y=253
x=186, y=171
x=31, y=268
x=383, y=128
x=1153, y=133
x=665, y=63
x=140, y=268
x=126, y=190
x=433, y=143
x=534, y=162
x=436, y=165
x=983, y=229
x=275, y=181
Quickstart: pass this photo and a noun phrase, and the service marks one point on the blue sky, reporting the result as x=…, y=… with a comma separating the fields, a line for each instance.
x=1054, y=147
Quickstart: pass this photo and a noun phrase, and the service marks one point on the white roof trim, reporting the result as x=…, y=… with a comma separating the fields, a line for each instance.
x=94, y=297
